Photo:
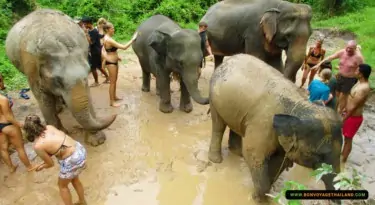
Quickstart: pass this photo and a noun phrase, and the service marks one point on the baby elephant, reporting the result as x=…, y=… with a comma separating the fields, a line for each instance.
x=162, y=47
x=272, y=124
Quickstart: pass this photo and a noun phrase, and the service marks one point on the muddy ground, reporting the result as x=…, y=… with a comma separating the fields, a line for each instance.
x=151, y=158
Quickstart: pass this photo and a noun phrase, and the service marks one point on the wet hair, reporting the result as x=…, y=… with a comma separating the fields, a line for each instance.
x=365, y=70
x=101, y=21
x=108, y=25
x=33, y=127
x=202, y=24
x=326, y=75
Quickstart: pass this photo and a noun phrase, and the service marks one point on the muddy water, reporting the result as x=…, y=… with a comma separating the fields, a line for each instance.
x=149, y=158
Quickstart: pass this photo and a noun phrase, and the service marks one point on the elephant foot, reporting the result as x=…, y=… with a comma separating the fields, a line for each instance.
x=215, y=157
x=165, y=107
x=187, y=107
x=260, y=198
x=145, y=89
x=95, y=139
x=236, y=150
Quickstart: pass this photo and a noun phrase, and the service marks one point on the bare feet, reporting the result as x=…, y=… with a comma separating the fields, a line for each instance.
x=115, y=104
x=32, y=168
x=117, y=98
x=13, y=169
x=94, y=85
x=80, y=203
x=106, y=81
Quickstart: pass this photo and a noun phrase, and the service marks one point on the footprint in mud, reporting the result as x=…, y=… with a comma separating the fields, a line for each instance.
x=201, y=157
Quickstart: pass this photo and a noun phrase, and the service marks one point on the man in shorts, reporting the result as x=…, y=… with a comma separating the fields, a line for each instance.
x=350, y=59
x=352, y=115
x=95, y=58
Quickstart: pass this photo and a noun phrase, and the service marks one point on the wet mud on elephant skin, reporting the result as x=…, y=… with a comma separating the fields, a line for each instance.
x=55, y=64
x=260, y=28
x=163, y=47
x=284, y=129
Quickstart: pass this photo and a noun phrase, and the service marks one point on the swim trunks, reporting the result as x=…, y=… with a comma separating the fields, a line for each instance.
x=351, y=126
x=345, y=84
x=73, y=165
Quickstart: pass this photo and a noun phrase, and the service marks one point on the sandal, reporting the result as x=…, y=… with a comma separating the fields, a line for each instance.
x=24, y=96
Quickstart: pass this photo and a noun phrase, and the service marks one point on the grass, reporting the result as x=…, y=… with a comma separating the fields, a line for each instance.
x=360, y=23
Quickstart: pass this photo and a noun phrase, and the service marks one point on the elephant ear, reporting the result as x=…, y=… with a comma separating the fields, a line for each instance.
x=268, y=23
x=286, y=127
x=158, y=41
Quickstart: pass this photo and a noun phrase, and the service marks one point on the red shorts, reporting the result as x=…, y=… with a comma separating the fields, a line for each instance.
x=351, y=126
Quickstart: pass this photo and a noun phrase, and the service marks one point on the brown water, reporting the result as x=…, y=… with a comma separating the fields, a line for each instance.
x=149, y=158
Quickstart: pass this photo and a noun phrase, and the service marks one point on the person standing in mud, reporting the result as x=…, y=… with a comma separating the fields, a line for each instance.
x=93, y=37
x=71, y=155
x=10, y=131
x=353, y=112
x=205, y=46
x=313, y=57
x=350, y=59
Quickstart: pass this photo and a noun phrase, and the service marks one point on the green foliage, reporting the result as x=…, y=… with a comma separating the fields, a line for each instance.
x=288, y=185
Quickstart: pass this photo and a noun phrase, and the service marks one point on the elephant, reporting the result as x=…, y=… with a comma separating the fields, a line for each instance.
x=262, y=28
x=163, y=47
x=272, y=125
x=51, y=50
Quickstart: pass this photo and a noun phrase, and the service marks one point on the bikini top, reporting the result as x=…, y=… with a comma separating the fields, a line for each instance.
x=113, y=49
x=61, y=146
x=312, y=54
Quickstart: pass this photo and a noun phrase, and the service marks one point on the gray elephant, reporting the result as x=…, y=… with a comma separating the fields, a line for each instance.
x=51, y=50
x=263, y=28
x=163, y=47
x=272, y=125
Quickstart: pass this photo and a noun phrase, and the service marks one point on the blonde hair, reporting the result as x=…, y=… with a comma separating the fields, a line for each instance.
x=101, y=21
x=108, y=25
x=326, y=75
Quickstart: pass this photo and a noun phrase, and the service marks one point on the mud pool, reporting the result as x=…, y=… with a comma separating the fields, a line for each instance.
x=151, y=158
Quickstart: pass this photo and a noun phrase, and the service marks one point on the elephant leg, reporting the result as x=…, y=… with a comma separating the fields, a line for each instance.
x=47, y=104
x=146, y=81
x=235, y=143
x=59, y=105
x=218, y=129
x=218, y=60
x=185, y=101
x=165, y=93
x=277, y=164
x=157, y=86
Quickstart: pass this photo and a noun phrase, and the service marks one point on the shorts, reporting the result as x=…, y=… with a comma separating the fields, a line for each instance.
x=73, y=165
x=351, y=126
x=345, y=84
x=95, y=61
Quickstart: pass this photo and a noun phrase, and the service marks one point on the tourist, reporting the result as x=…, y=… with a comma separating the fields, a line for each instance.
x=95, y=51
x=71, y=155
x=353, y=112
x=350, y=58
x=111, y=59
x=319, y=90
x=205, y=46
x=314, y=56
x=332, y=84
x=10, y=131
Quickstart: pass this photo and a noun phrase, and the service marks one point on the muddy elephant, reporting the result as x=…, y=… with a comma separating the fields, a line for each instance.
x=260, y=28
x=51, y=50
x=163, y=47
x=272, y=125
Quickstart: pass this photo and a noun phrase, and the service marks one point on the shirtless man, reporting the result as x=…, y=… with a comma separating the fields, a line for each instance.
x=352, y=115
x=10, y=131
x=350, y=58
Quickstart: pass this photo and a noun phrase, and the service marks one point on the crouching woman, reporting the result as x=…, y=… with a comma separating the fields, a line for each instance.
x=71, y=155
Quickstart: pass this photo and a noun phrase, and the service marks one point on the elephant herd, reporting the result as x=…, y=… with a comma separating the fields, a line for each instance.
x=272, y=125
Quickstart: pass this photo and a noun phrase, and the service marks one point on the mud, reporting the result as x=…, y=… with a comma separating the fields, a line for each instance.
x=152, y=158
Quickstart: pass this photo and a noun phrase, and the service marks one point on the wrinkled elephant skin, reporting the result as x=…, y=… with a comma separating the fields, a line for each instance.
x=260, y=28
x=163, y=47
x=51, y=50
x=270, y=121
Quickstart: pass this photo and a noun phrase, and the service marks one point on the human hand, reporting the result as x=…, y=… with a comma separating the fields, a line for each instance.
x=315, y=67
x=39, y=168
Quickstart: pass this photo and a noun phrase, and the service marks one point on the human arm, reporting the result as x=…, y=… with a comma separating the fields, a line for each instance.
x=88, y=37
x=208, y=47
x=8, y=113
x=329, y=58
x=357, y=100
x=47, y=160
x=330, y=97
x=123, y=46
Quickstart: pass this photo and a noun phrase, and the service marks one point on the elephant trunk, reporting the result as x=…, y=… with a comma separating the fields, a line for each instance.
x=328, y=178
x=190, y=80
x=79, y=103
x=295, y=56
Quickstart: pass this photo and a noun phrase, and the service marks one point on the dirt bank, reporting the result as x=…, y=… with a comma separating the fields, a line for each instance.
x=154, y=158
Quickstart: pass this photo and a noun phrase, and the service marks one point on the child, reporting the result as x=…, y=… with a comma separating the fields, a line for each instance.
x=319, y=89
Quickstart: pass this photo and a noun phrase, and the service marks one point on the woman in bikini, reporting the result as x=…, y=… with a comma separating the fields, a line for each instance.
x=10, y=131
x=313, y=57
x=109, y=51
x=70, y=154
